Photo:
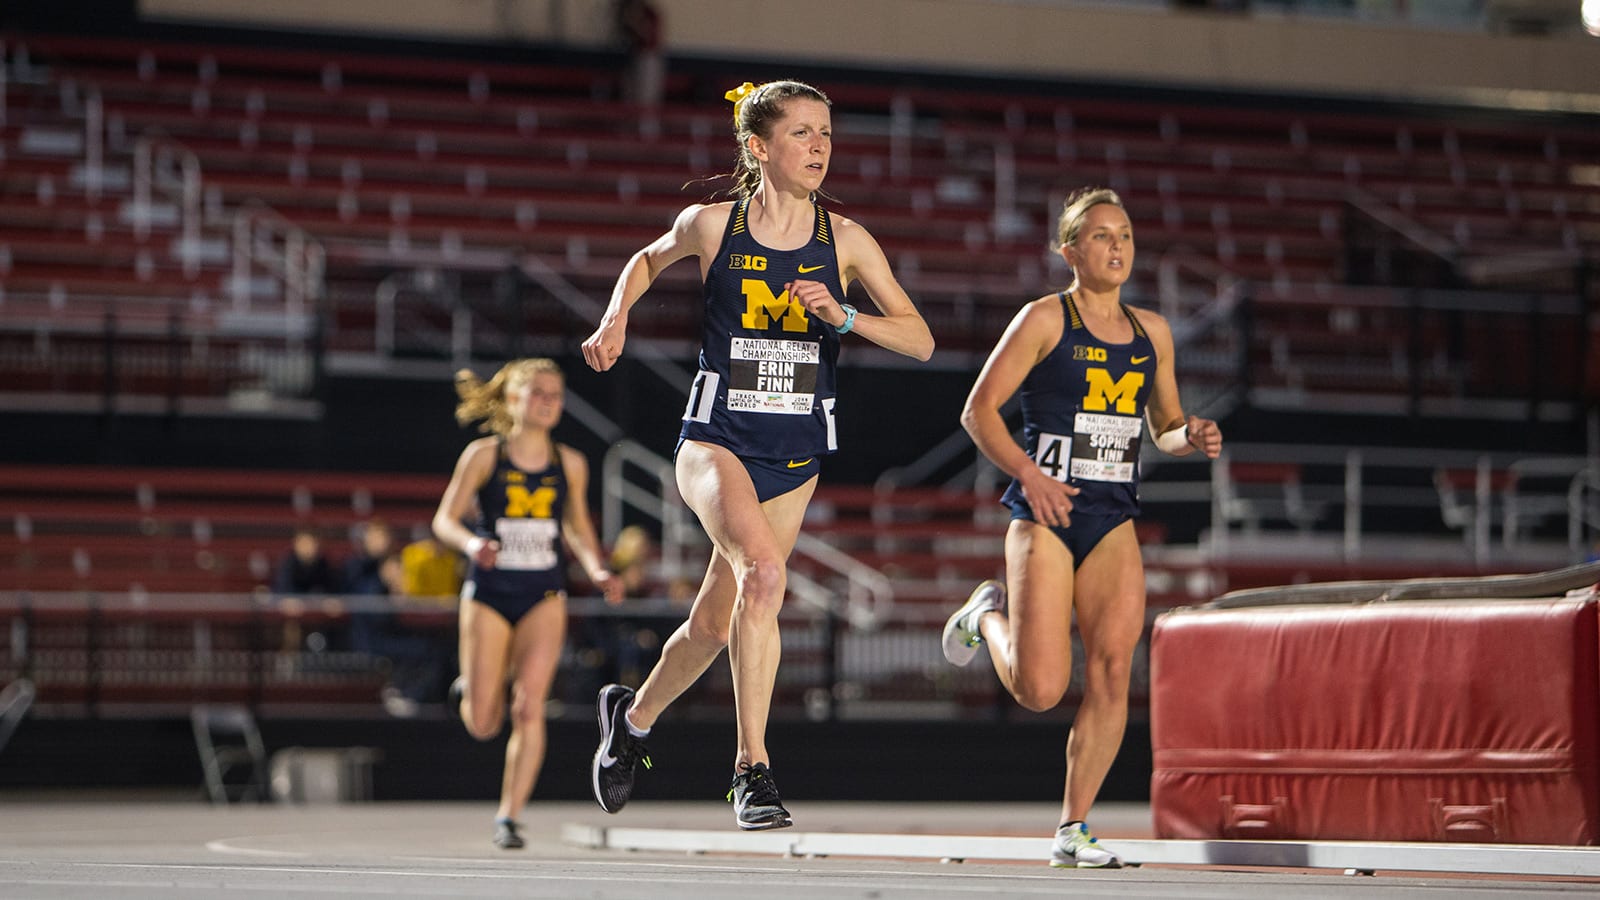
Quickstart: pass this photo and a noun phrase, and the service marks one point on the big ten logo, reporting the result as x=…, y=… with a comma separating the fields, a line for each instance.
x=748, y=263
x=522, y=503
x=1090, y=354
x=1103, y=392
x=762, y=308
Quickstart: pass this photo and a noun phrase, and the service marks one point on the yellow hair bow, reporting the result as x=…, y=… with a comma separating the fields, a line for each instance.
x=737, y=96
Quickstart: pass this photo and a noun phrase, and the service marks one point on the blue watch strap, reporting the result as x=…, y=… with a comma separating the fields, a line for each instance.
x=849, y=319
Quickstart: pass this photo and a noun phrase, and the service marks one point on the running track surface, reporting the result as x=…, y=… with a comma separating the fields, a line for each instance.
x=142, y=847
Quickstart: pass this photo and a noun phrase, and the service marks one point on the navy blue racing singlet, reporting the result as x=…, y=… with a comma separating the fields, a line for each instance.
x=1083, y=414
x=765, y=386
x=523, y=511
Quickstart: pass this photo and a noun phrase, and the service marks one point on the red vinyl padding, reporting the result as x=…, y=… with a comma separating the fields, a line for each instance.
x=1408, y=721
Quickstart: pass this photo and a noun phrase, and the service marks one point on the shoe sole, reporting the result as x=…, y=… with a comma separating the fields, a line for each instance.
x=605, y=740
x=956, y=651
x=768, y=825
x=1074, y=864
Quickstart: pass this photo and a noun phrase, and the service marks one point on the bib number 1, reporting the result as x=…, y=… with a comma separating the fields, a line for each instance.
x=702, y=396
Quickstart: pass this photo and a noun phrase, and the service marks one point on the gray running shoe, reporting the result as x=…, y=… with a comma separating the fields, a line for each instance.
x=506, y=836
x=961, y=637
x=1076, y=848
x=619, y=750
x=755, y=799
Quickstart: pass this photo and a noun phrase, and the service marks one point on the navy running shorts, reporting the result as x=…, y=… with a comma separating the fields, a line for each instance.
x=775, y=477
x=1081, y=536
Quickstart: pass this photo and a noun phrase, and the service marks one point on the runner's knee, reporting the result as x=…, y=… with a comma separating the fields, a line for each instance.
x=761, y=586
x=483, y=723
x=527, y=710
x=1108, y=674
x=1038, y=694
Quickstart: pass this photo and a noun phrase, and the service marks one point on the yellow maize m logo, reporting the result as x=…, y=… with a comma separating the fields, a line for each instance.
x=1103, y=392
x=762, y=308
x=522, y=503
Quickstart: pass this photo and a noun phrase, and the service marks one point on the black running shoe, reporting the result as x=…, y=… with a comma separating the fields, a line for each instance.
x=755, y=799
x=506, y=836
x=619, y=750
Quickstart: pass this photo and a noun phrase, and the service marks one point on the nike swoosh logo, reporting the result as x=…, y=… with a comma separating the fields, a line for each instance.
x=804, y=269
x=802, y=463
x=1139, y=359
x=607, y=760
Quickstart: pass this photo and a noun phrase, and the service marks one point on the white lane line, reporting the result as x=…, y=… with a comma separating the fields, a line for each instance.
x=843, y=878
x=224, y=845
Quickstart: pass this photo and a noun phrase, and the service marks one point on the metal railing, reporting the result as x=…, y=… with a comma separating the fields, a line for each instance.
x=1476, y=495
x=161, y=164
x=265, y=241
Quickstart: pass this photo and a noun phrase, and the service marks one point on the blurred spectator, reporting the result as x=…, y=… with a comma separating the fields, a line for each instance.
x=430, y=569
x=630, y=557
x=305, y=570
x=393, y=576
x=361, y=570
x=416, y=664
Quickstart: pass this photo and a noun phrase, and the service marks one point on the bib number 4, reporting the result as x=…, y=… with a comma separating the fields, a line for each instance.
x=1053, y=455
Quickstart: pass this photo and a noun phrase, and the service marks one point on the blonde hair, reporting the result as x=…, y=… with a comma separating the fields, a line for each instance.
x=486, y=400
x=755, y=112
x=1076, y=207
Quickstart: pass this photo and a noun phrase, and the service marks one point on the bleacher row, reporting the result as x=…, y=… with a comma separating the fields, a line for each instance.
x=162, y=530
x=143, y=587
x=397, y=162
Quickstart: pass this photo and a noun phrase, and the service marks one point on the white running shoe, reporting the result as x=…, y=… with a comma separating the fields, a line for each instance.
x=1075, y=847
x=961, y=637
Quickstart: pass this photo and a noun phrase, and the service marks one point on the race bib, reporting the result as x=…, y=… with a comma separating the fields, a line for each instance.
x=527, y=544
x=1105, y=448
x=773, y=376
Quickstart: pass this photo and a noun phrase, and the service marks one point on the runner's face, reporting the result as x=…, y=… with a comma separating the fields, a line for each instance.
x=801, y=144
x=536, y=402
x=1102, y=254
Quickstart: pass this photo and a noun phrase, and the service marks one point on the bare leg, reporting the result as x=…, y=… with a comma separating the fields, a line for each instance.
x=692, y=647
x=1031, y=643
x=743, y=593
x=537, y=651
x=485, y=648
x=1110, y=605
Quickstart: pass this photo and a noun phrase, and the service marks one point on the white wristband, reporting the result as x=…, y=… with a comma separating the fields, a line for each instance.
x=474, y=545
x=1171, y=442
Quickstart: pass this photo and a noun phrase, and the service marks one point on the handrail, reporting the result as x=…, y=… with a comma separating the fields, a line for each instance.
x=154, y=156
x=1583, y=514
x=1537, y=262
x=663, y=504
x=1477, y=522
x=94, y=134
x=426, y=282
x=1403, y=225
x=264, y=237
x=1226, y=290
x=869, y=595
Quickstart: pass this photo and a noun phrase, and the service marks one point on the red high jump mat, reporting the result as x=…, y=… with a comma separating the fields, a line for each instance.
x=1430, y=720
